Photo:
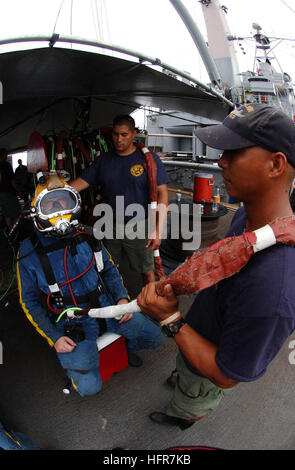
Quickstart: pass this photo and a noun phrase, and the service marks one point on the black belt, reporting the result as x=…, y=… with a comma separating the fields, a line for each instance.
x=90, y=299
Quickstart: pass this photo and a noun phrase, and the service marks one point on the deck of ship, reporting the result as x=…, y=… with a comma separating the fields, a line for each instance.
x=258, y=415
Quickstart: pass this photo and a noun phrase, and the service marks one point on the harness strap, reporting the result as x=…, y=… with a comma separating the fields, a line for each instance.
x=90, y=299
x=48, y=271
x=58, y=299
x=72, y=242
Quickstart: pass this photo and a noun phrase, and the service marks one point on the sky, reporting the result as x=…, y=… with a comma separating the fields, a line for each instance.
x=152, y=27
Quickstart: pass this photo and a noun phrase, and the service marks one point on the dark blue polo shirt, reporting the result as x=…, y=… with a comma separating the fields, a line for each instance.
x=250, y=315
x=123, y=175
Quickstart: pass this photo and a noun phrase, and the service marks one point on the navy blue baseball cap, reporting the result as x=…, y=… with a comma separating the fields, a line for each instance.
x=250, y=125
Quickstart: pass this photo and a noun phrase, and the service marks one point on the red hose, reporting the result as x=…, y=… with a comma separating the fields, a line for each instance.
x=83, y=149
x=151, y=168
x=69, y=281
x=59, y=144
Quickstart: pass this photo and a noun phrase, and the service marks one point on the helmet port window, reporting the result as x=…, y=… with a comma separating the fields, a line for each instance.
x=56, y=201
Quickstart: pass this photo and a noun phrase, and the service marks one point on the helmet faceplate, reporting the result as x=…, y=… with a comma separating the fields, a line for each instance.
x=57, y=206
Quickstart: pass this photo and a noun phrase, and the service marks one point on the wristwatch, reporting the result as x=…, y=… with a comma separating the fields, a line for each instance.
x=173, y=328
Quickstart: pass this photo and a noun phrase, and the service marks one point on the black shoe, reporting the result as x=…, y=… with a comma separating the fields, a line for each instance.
x=172, y=380
x=134, y=360
x=162, y=418
x=67, y=388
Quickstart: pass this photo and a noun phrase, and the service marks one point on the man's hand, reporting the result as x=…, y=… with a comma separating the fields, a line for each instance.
x=153, y=243
x=156, y=306
x=64, y=344
x=127, y=316
x=79, y=184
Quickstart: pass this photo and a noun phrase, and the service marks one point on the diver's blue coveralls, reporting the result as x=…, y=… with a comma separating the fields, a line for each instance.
x=11, y=440
x=68, y=259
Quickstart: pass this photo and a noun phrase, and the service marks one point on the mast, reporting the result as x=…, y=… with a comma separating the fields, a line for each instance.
x=221, y=49
x=199, y=42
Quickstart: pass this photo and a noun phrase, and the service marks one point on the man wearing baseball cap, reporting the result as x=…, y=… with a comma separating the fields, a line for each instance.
x=235, y=328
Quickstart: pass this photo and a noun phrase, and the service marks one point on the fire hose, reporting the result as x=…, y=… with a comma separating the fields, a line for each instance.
x=151, y=168
x=221, y=260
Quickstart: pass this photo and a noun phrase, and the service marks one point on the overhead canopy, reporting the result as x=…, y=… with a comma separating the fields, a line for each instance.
x=52, y=89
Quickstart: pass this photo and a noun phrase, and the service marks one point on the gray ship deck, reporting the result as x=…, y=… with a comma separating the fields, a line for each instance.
x=258, y=415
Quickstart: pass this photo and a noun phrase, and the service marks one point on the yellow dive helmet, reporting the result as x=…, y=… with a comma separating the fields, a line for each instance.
x=57, y=205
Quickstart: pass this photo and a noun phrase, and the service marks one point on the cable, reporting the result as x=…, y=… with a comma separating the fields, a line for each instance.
x=67, y=277
x=107, y=21
x=73, y=159
x=69, y=281
x=62, y=2
x=71, y=21
x=8, y=288
x=96, y=26
x=288, y=6
x=52, y=155
x=99, y=24
x=67, y=310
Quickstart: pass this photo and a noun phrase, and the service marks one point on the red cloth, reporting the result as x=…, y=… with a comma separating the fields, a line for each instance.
x=222, y=260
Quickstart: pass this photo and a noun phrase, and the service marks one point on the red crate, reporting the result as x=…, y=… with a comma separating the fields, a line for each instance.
x=112, y=354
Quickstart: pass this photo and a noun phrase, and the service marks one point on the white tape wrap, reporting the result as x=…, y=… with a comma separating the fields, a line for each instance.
x=53, y=288
x=39, y=174
x=114, y=310
x=145, y=150
x=156, y=253
x=154, y=204
x=265, y=237
x=99, y=260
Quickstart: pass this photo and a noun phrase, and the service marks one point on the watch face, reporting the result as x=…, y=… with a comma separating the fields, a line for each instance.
x=167, y=331
x=173, y=328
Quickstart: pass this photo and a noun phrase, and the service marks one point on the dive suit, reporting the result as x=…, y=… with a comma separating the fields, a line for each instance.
x=84, y=276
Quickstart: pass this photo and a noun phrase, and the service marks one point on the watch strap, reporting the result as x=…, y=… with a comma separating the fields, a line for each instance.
x=171, y=329
x=175, y=316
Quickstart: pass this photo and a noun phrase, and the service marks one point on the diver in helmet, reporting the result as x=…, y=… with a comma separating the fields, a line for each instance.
x=62, y=266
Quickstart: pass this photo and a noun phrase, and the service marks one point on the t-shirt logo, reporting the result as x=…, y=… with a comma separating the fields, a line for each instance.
x=136, y=170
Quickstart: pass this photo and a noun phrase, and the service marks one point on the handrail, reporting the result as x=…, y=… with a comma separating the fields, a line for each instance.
x=185, y=164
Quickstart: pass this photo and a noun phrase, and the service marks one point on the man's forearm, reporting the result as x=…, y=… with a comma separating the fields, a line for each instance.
x=199, y=351
x=79, y=184
x=162, y=206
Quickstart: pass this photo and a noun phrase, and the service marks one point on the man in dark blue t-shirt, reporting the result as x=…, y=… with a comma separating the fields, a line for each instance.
x=123, y=181
x=234, y=329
